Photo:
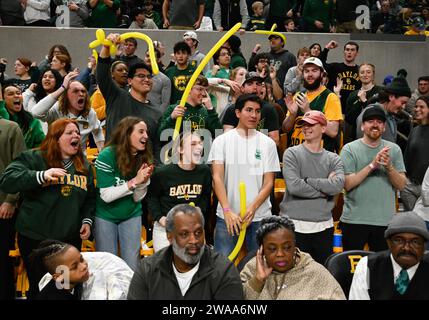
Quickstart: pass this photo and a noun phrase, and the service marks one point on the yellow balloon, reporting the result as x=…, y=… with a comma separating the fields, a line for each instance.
x=142, y=36
x=242, y=234
x=272, y=32
x=198, y=71
x=101, y=40
x=95, y=55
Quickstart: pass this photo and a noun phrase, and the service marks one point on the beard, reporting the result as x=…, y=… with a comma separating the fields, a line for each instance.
x=314, y=85
x=186, y=257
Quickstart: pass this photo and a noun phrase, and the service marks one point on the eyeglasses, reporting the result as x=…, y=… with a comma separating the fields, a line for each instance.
x=263, y=61
x=414, y=243
x=143, y=76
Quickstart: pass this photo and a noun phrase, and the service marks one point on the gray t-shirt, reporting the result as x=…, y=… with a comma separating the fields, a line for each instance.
x=184, y=13
x=311, y=199
x=373, y=201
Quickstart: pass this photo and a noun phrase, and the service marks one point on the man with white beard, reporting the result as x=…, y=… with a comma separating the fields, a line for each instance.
x=187, y=269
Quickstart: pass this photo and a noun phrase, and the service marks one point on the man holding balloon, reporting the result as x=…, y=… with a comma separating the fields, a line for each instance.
x=242, y=155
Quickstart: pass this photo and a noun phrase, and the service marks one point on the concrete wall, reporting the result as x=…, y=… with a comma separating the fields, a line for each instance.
x=388, y=55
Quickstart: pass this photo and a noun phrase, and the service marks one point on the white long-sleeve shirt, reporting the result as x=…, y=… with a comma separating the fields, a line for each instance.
x=37, y=10
x=48, y=110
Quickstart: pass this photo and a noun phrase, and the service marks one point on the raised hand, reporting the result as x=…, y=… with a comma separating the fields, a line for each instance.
x=291, y=104
x=338, y=86
x=262, y=269
x=69, y=77
x=302, y=102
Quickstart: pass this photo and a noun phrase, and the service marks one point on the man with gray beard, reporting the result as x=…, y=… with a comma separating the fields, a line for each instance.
x=187, y=269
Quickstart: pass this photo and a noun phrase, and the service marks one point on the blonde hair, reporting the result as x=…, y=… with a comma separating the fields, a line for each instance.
x=256, y=5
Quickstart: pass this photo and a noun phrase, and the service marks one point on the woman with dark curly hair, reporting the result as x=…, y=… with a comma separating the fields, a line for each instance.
x=280, y=271
x=123, y=170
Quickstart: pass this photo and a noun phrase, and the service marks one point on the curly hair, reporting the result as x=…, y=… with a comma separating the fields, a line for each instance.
x=50, y=148
x=126, y=162
x=271, y=224
x=40, y=92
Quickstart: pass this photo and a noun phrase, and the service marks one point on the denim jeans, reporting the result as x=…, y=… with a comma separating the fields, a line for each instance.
x=224, y=243
x=128, y=232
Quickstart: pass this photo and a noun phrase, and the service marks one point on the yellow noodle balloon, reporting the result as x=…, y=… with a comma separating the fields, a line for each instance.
x=242, y=234
x=272, y=32
x=198, y=71
x=102, y=41
x=142, y=36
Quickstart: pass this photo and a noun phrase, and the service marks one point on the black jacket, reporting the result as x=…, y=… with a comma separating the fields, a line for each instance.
x=217, y=278
x=51, y=292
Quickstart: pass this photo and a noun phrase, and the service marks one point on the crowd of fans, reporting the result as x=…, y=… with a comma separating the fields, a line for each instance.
x=342, y=16
x=325, y=128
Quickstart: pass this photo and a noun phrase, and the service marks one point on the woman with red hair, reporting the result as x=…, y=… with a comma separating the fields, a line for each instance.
x=57, y=191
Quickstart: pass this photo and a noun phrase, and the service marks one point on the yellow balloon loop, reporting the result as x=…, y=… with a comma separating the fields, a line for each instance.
x=242, y=234
x=95, y=55
x=197, y=72
x=101, y=40
x=100, y=36
x=272, y=32
x=152, y=55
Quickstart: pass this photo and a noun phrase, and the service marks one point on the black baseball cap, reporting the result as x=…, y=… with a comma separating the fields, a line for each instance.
x=374, y=111
x=252, y=75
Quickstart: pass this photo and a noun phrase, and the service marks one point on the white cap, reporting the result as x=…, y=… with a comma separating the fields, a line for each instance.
x=315, y=61
x=190, y=35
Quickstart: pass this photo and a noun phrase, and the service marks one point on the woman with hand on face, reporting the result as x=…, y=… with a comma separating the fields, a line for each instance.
x=71, y=100
x=11, y=108
x=56, y=185
x=123, y=172
x=280, y=271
